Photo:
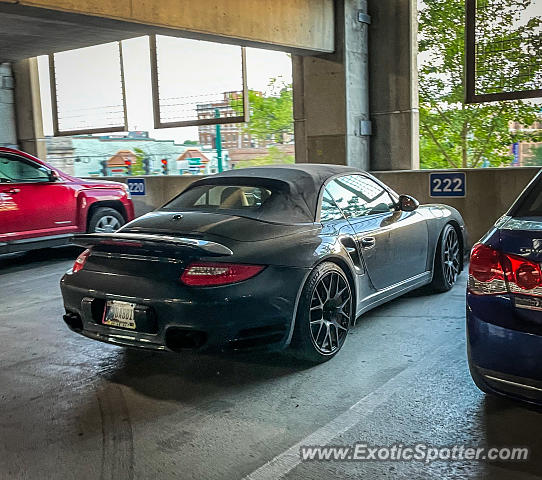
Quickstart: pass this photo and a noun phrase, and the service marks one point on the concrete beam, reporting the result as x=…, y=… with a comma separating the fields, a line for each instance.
x=393, y=50
x=331, y=95
x=8, y=134
x=296, y=25
x=28, y=108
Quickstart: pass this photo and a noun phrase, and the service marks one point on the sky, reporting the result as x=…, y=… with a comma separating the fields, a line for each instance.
x=190, y=72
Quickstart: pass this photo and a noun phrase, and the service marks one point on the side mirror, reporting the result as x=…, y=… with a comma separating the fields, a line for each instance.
x=408, y=203
x=53, y=176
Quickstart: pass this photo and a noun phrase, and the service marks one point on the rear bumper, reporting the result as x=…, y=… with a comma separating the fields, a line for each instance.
x=257, y=313
x=503, y=360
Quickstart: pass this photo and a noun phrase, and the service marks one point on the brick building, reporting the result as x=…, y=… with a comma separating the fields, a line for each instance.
x=233, y=134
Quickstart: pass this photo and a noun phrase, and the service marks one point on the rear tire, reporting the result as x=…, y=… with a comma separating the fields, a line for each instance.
x=105, y=220
x=447, y=262
x=324, y=314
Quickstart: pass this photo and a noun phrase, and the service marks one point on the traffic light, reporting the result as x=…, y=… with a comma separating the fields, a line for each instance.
x=164, y=166
x=104, y=168
x=128, y=164
x=147, y=165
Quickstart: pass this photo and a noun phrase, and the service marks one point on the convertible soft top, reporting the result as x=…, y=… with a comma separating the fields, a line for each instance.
x=301, y=182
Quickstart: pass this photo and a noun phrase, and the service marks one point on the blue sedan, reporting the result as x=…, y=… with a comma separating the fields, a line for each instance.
x=504, y=302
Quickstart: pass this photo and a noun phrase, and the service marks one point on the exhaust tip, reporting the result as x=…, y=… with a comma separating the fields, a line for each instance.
x=73, y=320
x=179, y=339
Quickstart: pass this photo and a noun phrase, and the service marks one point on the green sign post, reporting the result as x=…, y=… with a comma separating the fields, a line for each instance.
x=218, y=142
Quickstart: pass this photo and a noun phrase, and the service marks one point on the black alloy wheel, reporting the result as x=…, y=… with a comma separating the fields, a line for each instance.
x=447, y=264
x=325, y=313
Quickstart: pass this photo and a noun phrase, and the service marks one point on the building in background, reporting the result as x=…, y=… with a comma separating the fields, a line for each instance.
x=83, y=155
x=527, y=153
x=120, y=163
x=86, y=156
x=194, y=161
x=233, y=134
x=250, y=157
x=60, y=153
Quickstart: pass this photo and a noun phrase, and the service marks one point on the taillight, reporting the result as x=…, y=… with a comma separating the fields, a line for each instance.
x=523, y=276
x=492, y=272
x=205, y=274
x=80, y=261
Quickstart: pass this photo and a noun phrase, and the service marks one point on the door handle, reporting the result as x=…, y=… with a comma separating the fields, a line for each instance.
x=12, y=190
x=368, y=242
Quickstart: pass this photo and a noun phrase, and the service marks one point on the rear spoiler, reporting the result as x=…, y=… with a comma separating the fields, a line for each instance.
x=138, y=240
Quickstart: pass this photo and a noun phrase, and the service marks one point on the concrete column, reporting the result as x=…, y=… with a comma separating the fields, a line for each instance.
x=393, y=50
x=8, y=135
x=28, y=108
x=331, y=95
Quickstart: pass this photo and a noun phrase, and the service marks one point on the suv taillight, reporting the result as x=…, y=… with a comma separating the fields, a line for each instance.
x=80, y=261
x=206, y=274
x=492, y=272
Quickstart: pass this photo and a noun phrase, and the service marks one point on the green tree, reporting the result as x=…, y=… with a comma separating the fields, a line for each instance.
x=454, y=134
x=137, y=166
x=190, y=142
x=274, y=157
x=271, y=116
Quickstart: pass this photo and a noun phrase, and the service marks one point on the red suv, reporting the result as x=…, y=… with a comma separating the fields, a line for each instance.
x=40, y=206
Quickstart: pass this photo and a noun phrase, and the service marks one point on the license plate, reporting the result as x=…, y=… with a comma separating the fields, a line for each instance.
x=119, y=314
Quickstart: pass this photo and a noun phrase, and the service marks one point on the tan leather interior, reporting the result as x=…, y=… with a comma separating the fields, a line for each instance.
x=233, y=197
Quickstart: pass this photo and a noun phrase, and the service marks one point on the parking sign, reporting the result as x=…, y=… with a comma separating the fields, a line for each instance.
x=447, y=184
x=136, y=186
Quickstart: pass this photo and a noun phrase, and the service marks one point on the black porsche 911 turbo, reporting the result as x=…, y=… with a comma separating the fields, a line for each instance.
x=265, y=257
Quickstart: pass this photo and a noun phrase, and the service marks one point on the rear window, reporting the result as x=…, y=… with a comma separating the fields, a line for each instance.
x=531, y=204
x=268, y=202
x=221, y=197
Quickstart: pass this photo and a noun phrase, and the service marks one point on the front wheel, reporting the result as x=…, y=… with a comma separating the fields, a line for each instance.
x=447, y=260
x=324, y=314
x=105, y=220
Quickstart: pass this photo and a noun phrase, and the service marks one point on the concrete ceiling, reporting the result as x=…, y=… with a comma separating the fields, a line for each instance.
x=26, y=32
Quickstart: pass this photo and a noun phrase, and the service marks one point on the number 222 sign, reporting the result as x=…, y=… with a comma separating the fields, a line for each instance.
x=447, y=184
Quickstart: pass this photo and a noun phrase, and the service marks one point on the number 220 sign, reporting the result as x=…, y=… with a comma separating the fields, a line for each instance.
x=447, y=184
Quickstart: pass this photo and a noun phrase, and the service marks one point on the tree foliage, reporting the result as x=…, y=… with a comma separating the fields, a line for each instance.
x=454, y=134
x=137, y=166
x=274, y=157
x=271, y=115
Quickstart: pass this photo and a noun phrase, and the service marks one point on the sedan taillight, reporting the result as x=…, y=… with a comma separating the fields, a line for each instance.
x=492, y=272
x=206, y=274
x=80, y=261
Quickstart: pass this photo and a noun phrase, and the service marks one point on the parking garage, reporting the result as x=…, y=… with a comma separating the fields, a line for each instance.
x=73, y=407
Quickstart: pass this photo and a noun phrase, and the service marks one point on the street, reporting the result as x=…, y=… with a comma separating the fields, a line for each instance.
x=74, y=408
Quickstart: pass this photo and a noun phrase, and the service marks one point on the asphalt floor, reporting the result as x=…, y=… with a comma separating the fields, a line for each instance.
x=71, y=407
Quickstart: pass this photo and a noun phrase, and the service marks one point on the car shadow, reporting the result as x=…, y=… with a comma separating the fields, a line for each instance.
x=14, y=262
x=188, y=377
x=506, y=423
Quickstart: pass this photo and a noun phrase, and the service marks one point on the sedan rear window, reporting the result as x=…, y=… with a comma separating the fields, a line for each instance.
x=531, y=204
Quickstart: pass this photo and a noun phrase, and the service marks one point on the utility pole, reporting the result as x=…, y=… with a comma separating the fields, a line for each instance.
x=218, y=142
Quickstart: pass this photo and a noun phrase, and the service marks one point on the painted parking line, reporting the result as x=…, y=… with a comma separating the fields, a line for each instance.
x=283, y=463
